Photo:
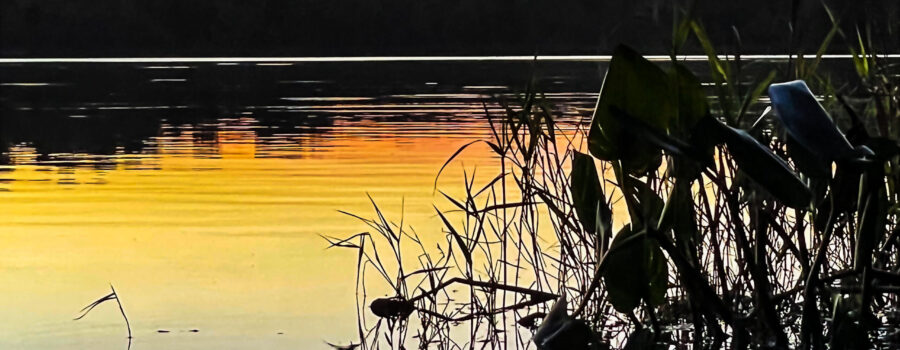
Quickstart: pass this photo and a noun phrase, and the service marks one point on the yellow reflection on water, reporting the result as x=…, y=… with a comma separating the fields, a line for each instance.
x=219, y=235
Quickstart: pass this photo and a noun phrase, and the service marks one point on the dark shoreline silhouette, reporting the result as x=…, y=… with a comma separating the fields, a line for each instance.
x=166, y=28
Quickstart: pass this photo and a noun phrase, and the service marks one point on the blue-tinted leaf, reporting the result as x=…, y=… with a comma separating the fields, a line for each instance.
x=808, y=123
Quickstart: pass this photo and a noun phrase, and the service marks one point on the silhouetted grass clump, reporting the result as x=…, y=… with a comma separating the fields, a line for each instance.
x=739, y=228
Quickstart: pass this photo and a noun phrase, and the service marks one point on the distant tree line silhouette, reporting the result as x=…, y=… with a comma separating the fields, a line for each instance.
x=85, y=28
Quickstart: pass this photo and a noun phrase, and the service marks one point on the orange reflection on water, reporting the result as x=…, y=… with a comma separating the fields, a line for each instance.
x=217, y=233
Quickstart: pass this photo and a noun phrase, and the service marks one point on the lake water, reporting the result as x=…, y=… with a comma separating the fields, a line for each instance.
x=200, y=190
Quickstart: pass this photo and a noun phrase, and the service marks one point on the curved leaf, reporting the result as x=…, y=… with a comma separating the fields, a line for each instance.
x=680, y=215
x=808, y=123
x=640, y=89
x=639, y=130
x=587, y=196
x=646, y=205
x=765, y=168
x=635, y=270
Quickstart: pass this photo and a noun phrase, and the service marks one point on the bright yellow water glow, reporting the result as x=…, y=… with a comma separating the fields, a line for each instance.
x=218, y=236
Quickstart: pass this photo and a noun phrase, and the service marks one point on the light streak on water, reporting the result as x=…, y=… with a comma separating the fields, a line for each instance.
x=265, y=60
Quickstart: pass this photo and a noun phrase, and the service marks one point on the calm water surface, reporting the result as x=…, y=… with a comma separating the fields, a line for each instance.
x=200, y=190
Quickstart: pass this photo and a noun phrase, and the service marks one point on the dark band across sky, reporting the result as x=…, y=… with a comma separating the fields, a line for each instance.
x=202, y=28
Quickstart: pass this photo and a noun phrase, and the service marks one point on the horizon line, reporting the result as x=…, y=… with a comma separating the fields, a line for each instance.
x=582, y=58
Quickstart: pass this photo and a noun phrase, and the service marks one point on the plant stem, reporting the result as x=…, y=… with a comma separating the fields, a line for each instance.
x=122, y=310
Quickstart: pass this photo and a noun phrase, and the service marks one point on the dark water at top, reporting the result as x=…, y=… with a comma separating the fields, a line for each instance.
x=97, y=108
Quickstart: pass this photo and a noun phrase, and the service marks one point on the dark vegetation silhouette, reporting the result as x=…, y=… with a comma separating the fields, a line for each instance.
x=747, y=226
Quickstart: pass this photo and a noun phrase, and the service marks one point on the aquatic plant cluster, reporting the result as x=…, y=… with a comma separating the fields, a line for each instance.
x=770, y=229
